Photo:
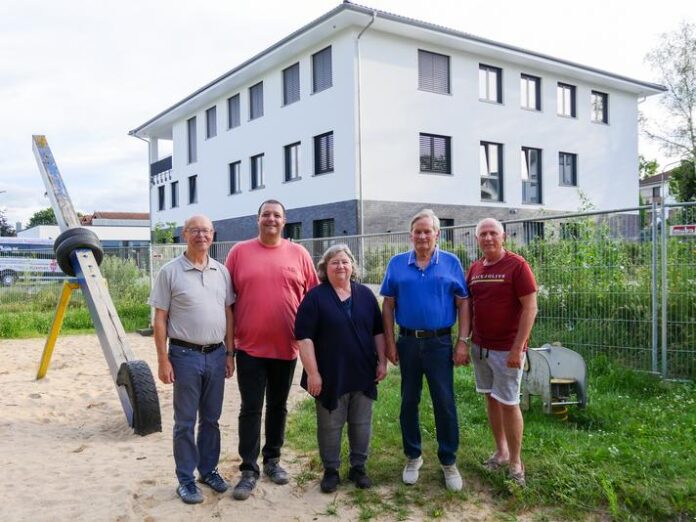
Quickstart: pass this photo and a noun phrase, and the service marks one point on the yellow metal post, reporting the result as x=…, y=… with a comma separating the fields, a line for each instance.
x=68, y=288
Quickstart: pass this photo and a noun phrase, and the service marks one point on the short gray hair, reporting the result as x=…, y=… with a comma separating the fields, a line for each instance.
x=332, y=252
x=495, y=223
x=426, y=213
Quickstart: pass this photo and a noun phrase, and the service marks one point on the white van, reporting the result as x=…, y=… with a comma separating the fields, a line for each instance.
x=27, y=259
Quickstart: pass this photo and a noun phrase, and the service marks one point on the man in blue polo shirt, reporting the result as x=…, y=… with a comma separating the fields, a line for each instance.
x=425, y=291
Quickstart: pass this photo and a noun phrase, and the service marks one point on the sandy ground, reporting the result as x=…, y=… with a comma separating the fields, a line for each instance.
x=67, y=453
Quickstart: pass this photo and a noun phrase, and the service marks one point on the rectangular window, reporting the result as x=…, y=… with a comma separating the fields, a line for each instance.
x=235, y=180
x=256, y=101
x=530, y=92
x=233, y=116
x=491, y=167
x=435, y=155
x=321, y=70
x=600, y=107
x=490, y=83
x=175, y=194
x=433, y=72
x=565, y=100
x=160, y=198
x=324, y=153
x=531, y=175
x=191, y=136
x=211, y=122
x=193, y=189
x=292, y=161
x=533, y=230
x=324, y=228
x=448, y=234
x=656, y=193
x=256, y=172
x=291, y=84
x=568, y=169
x=292, y=231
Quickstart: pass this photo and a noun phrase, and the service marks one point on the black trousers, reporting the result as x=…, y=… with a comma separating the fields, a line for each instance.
x=259, y=377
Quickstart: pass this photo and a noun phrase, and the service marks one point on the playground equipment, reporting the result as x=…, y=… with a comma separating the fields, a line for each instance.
x=558, y=375
x=79, y=254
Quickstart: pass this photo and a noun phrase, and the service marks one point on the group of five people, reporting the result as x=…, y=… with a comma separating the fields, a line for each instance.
x=267, y=305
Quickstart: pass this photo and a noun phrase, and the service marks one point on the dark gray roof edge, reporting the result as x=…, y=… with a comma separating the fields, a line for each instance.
x=397, y=18
x=479, y=39
x=241, y=66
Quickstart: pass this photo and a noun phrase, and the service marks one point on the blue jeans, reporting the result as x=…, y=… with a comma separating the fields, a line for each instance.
x=433, y=358
x=199, y=387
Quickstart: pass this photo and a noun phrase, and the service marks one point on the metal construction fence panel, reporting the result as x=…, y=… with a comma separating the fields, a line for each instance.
x=615, y=284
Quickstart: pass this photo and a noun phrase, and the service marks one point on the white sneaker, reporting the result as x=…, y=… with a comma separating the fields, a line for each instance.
x=453, y=480
x=410, y=474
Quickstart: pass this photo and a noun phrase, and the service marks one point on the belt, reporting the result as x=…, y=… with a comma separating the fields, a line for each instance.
x=203, y=348
x=424, y=334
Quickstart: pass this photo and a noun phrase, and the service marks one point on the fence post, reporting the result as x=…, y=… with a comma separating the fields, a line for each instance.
x=654, y=274
x=664, y=288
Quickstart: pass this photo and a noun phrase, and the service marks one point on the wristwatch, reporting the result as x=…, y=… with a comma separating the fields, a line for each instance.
x=467, y=340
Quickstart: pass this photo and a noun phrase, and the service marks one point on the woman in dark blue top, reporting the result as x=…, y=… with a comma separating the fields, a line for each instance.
x=339, y=329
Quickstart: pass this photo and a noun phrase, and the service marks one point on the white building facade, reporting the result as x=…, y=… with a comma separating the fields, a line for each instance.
x=361, y=118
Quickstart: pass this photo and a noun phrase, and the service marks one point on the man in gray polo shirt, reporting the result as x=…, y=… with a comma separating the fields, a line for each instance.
x=193, y=297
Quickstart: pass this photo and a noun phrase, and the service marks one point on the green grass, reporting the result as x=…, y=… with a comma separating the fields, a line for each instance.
x=628, y=456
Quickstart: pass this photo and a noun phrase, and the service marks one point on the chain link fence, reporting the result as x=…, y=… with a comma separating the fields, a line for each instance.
x=617, y=284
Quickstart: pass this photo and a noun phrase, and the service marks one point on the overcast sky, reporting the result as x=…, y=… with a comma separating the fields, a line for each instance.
x=85, y=72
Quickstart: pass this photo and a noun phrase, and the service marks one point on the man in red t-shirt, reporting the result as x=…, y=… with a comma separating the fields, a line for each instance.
x=270, y=276
x=503, y=296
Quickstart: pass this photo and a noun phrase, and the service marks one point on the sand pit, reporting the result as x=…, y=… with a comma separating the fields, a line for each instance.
x=68, y=454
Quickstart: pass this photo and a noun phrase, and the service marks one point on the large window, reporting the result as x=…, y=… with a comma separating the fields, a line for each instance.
x=448, y=234
x=160, y=198
x=600, y=107
x=530, y=92
x=321, y=70
x=193, y=189
x=435, y=154
x=211, y=122
x=324, y=153
x=256, y=101
x=292, y=231
x=490, y=83
x=233, y=116
x=292, y=161
x=491, y=171
x=568, y=169
x=531, y=175
x=291, y=84
x=175, y=194
x=433, y=72
x=566, y=100
x=191, y=138
x=324, y=228
x=533, y=230
x=235, y=177
x=256, y=165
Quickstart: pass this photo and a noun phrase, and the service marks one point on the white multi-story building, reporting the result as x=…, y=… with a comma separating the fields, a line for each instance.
x=361, y=118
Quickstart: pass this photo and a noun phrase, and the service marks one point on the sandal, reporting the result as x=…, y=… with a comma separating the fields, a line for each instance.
x=493, y=464
x=518, y=477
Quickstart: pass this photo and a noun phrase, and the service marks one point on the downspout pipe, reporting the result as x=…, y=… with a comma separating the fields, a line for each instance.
x=361, y=202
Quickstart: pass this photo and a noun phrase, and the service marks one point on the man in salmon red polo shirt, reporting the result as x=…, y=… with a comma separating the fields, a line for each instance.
x=503, y=297
x=270, y=276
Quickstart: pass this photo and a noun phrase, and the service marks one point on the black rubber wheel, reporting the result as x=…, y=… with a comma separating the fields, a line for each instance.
x=137, y=378
x=73, y=239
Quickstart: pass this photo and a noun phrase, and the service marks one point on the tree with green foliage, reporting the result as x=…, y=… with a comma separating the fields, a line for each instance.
x=674, y=59
x=647, y=168
x=163, y=233
x=682, y=181
x=5, y=228
x=45, y=216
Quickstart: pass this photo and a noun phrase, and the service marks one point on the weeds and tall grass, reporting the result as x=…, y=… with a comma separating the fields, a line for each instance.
x=28, y=310
x=628, y=456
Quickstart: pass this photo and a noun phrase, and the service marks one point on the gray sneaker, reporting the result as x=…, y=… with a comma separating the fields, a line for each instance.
x=189, y=493
x=245, y=485
x=410, y=474
x=277, y=474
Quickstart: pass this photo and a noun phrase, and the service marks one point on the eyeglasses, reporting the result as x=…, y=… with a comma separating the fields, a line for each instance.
x=201, y=231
